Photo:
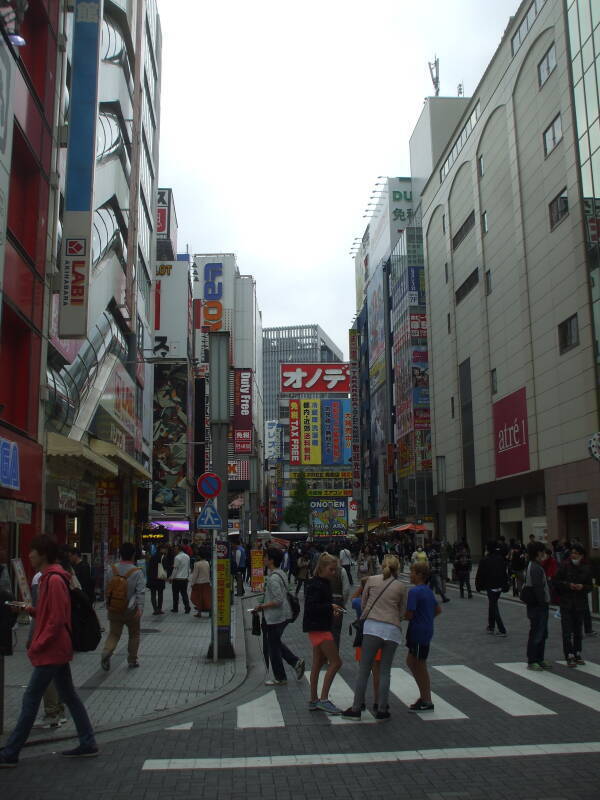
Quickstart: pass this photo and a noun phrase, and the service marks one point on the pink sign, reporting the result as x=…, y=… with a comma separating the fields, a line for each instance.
x=511, y=437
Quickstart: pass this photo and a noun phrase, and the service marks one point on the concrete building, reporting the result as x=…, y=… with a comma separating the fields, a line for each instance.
x=509, y=221
x=99, y=382
x=295, y=343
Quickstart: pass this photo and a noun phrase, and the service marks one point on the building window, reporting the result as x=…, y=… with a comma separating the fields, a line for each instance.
x=480, y=166
x=443, y=223
x=452, y=407
x=488, y=282
x=552, y=135
x=464, y=230
x=461, y=140
x=547, y=65
x=558, y=208
x=493, y=381
x=446, y=271
x=484, y=222
x=526, y=24
x=568, y=334
x=467, y=286
x=449, y=324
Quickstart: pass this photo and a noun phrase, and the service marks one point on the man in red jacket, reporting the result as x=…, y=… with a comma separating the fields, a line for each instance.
x=50, y=651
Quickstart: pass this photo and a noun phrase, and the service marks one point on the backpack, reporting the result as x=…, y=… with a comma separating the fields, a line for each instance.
x=293, y=602
x=116, y=591
x=85, y=628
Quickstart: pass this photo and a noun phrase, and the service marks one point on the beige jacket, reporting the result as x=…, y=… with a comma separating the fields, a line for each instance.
x=390, y=607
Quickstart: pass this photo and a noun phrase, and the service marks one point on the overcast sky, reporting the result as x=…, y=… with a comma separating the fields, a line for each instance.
x=277, y=117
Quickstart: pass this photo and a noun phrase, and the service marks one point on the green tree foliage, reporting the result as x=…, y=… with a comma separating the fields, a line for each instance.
x=298, y=511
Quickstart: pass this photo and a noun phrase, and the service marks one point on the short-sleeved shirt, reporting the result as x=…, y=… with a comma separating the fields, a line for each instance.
x=422, y=601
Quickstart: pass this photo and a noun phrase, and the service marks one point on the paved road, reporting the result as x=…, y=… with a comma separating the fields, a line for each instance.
x=498, y=733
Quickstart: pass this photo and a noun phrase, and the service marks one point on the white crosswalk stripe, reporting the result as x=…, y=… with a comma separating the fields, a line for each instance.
x=588, y=668
x=264, y=712
x=493, y=692
x=556, y=683
x=184, y=726
x=342, y=695
x=403, y=686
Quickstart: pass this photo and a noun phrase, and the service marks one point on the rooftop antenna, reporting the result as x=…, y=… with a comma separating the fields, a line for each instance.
x=434, y=69
x=461, y=89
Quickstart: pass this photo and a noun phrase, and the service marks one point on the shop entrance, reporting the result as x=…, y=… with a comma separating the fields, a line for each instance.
x=573, y=523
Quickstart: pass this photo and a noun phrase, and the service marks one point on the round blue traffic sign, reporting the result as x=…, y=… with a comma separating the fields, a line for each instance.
x=209, y=484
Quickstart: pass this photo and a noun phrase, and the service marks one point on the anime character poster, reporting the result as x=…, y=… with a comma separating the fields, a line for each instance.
x=169, y=478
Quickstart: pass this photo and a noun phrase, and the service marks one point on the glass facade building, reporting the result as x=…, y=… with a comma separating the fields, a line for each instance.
x=584, y=38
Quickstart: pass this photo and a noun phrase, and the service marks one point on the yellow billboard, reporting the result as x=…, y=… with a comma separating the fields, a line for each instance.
x=310, y=431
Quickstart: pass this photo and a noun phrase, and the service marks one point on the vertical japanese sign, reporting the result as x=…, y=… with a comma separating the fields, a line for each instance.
x=257, y=566
x=327, y=416
x=354, y=401
x=336, y=429
x=346, y=431
x=76, y=256
x=311, y=431
x=295, y=436
x=242, y=411
x=224, y=592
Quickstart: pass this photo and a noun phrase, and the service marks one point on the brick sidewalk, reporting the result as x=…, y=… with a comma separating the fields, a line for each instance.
x=174, y=672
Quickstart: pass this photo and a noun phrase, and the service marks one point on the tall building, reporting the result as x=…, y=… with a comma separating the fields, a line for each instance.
x=29, y=86
x=510, y=229
x=103, y=201
x=308, y=343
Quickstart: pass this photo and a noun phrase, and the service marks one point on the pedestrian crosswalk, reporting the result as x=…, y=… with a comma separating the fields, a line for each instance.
x=509, y=698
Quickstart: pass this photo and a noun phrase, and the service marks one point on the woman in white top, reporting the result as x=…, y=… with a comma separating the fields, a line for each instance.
x=200, y=582
x=383, y=603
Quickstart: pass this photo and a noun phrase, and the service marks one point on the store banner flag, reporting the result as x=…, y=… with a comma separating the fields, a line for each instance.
x=295, y=433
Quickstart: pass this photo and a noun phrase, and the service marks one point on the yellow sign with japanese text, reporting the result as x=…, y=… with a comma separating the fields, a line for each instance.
x=310, y=431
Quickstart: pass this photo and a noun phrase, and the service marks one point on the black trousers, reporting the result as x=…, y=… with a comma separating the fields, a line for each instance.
x=156, y=597
x=179, y=587
x=571, y=622
x=464, y=581
x=494, y=617
x=538, y=633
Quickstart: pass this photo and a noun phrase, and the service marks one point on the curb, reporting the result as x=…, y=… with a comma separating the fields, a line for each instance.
x=239, y=676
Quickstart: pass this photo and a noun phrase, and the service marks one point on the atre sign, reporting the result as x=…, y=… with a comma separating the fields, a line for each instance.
x=511, y=435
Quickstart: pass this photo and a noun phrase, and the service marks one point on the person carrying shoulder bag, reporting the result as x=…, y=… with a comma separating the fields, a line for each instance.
x=383, y=604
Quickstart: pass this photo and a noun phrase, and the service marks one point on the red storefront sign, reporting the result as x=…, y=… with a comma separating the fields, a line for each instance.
x=294, y=432
x=511, y=436
x=242, y=411
x=315, y=378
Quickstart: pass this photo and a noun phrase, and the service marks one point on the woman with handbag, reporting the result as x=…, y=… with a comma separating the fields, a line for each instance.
x=200, y=582
x=384, y=604
x=319, y=610
x=157, y=576
x=375, y=669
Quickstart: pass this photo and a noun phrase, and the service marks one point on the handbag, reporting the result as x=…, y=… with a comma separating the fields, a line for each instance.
x=359, y=624
x=161, y=572
x=255, y=623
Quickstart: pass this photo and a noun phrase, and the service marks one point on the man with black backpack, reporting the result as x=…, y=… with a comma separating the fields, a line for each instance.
x=125, y=592
x=50, y=651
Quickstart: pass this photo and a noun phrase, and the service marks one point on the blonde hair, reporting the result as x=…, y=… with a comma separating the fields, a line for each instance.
x=324, y=560
x=391, y=566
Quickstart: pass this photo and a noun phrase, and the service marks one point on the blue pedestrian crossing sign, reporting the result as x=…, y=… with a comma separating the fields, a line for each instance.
x=209, y=517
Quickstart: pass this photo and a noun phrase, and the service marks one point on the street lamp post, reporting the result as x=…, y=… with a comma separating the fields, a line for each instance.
x=440, y=464
x=218, y=344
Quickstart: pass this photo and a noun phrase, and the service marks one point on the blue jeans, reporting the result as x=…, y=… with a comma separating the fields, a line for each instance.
x=38, y=683
x=538, y=633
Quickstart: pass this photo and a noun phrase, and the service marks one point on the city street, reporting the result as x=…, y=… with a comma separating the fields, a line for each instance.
x=498, y=731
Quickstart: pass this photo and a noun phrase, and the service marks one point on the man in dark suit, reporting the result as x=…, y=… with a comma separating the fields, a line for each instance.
x=83, y=573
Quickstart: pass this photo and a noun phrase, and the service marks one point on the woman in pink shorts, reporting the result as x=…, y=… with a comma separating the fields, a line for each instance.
x=318, y=616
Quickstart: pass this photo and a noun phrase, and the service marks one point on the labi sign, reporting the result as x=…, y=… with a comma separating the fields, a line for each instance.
x=511, y=436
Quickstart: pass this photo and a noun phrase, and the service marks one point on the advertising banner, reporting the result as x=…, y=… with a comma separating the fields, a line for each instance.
x=346, y=431
x=242, y=411
x=329, y=516
x=412, y=286
x=295, y=435
x=223, y=592
x=76, y=251
x=217, y=272
x=257, y=570
x=315, y=378
x=355, y=403
x=311, y=431
x=326, y=474
x=273, y=439
x=511, y=434
x=405, y=456
x=418, y=328
x=422, y=419
x=169, y=464
x=375, y=318
x=327, y=414
x=423, y=450
x=171, y=303
x=238, y=470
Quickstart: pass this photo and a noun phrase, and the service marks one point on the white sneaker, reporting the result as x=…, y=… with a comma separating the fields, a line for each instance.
x=275, y=683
